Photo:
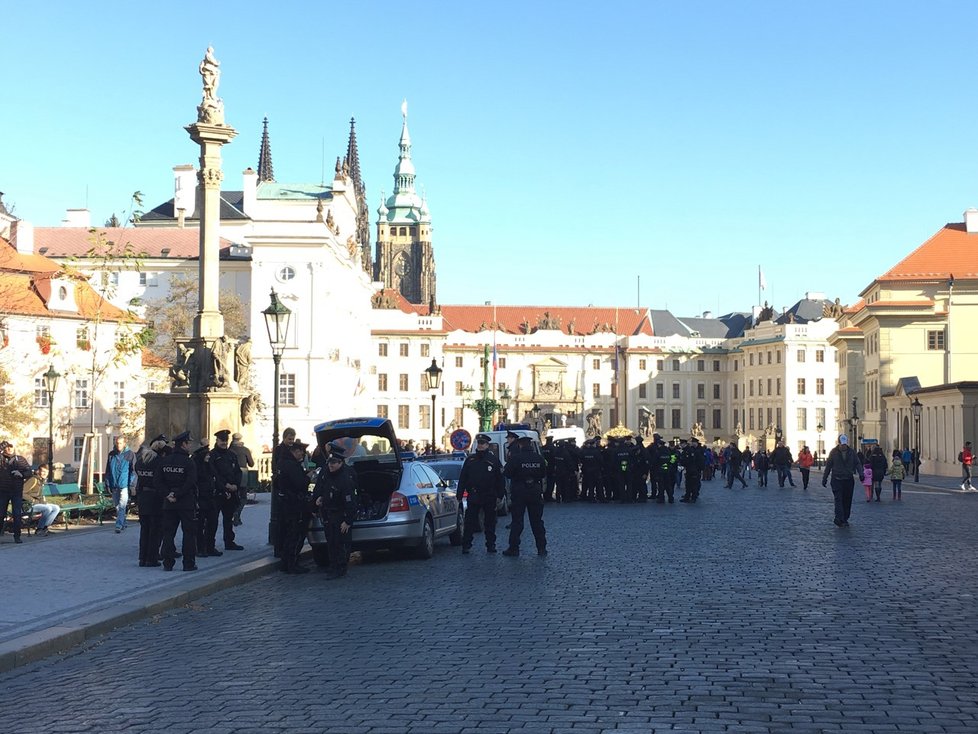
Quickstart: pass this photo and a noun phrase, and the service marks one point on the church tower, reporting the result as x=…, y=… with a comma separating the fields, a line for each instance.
x=405, y=261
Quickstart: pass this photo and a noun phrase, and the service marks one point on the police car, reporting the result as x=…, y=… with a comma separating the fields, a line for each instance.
x=401, y=503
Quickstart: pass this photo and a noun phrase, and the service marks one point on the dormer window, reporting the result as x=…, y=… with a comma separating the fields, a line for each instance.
x=63, y=293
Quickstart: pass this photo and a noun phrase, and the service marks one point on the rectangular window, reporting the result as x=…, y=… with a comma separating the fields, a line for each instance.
x=596, y=390
x=458, y=391
x=643, y=390
x=778, y=392
x=595, y=364
x=701, y=392
x=736, y=416
x=660, y=416
x=40, y=393
x=402, y=382
x=458, y=361
x=801, y=385
x=716, y=365
x=820, y=418
x=81, y=394
x=675, y=391
x=660, y=364
x=383, y=411
x=403, y=349
x=751, y=358
x=143, y=279
x=769, y=386
x=382, y=349
x=802, y=419
x=458, y=416
x=502, y=363
x=801, y=355
x=770, y=417
x=935, y=340
x=819, y=385
x=717, y=418
x=701, y=365
x=382, y=383
x=641, y=364
x=716, y=392
x=701, y=416
x=736, y=391
x=750, y=388
x=677, y=418
x=779, y=356
x=425, y=350
x=675, y=365
x=769, y=357
x=118, y=394
x=659, y=391
x=819, y=355
x=777, y=417
x=425, y=416
x=403, y=416
x=286, y=388
x=77, y=446
x=750, y=419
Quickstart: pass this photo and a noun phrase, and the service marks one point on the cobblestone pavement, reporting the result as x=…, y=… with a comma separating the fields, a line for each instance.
x=748, y=612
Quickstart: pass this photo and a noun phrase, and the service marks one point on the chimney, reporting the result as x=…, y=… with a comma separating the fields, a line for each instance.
x=971, y=220
x=22, y=236
x=184, y=189
x=77, y=218
x=707, y=314
x=250, y=192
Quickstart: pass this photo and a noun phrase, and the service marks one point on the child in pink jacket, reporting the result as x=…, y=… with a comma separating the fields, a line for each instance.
x=868, y=481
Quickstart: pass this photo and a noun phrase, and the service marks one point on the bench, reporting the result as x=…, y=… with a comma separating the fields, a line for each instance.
x=70, y=498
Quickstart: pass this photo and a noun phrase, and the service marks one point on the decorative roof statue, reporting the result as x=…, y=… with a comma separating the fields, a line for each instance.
x=548, y=321
x=766, y=314
x=833, y=311
x=211, y=108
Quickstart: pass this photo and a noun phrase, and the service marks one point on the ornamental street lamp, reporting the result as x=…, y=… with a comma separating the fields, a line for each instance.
x=434, y=381
x=50, y=386
x=277, y=317
x=778, y=434
x=535, y=414
x=505, y=399
x=916, y=407
x=853, y=422
x=820, y=449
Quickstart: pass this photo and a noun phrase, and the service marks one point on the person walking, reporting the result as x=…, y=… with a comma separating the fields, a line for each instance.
x=733, y=466
x=335, y=498
x=782, y=460
x=842, y=467
x=120, y=479
x=176, y=481
x=482, y=477
x=805, y=462
x=897, y=474
x=965, y=458
x=762, y=463
x=877, y=461
x=526, y=471
x=867, y=479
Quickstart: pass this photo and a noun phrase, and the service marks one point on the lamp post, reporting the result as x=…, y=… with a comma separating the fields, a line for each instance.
x=535, y=414
x=916, y=407
x=778, y=434
x=277, y=317
x=434, y=380
x=820, y=449
x=853, y=422
x=50, y=385
x=505, y=399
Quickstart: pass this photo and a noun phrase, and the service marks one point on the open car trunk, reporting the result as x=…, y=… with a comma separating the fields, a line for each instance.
x=369, y=445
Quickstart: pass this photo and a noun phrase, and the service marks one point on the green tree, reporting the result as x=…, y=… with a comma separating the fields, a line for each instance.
x=173, y=315
x=17, y=414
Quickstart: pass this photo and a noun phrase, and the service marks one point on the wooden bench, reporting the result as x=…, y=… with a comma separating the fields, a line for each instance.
x=71, y=499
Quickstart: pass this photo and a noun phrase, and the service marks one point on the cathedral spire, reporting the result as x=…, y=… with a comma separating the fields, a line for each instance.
x=353, y=157
x=360, y=191
x=265, y=171
x=404, y=172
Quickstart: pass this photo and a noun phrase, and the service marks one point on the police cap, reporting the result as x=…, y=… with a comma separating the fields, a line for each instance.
x=223, y=435
x=181, y=438
x=299, y=446
x=162, y=437
x=512, y=434
x=482, y=438
x=336, y=450
x=5, y=445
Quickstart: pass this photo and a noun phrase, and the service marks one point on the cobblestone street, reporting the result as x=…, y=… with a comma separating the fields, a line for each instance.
x=748, y=612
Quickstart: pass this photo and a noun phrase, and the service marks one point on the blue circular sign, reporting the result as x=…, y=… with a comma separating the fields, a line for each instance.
x=460, y=439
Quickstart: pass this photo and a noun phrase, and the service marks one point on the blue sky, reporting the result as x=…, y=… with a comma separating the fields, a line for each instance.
x=567, y=150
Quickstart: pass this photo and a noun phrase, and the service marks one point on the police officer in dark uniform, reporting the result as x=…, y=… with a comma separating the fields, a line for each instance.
x=207, y=512
x=548, y=451
x=591, y=485
x=693, y=461
x=525, y=470
x=638, y=488
x=566, y=460
x=482, y=477
x=176, y=481
x=293, y=498
x=665, y=472
x=150, y=503
x=227, y=479
x=621, y=462
x=334, y=496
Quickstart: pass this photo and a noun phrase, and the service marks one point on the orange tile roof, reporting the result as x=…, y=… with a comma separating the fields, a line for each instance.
x=145, y=241
x=512, y=319
x=152, y=360
x=950, y=250
x=19, y=294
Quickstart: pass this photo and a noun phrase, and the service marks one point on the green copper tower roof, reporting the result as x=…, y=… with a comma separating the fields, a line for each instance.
x=404, y=205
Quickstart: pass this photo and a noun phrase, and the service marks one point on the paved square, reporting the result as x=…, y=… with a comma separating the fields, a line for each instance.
x=748, y=612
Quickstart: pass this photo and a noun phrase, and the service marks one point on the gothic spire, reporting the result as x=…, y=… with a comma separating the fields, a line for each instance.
x=265, y=170
x=404, y=173
x=353, y=156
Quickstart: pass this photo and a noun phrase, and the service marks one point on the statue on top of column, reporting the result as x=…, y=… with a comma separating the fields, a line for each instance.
x=211, y=108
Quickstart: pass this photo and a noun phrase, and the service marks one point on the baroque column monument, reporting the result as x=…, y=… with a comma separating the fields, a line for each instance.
x=204, y=392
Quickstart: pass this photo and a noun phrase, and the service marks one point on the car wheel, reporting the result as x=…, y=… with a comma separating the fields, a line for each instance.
x=427, y=548
x=320, y=554
x=456, y=537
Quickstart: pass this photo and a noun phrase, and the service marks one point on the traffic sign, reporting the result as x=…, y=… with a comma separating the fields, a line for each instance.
x=460, y=439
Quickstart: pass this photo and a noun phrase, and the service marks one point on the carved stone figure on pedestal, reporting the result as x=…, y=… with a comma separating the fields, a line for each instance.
x=211, y=108
x=248, y=409
x=181, y=373
x=242, y=364
x=593, y=424
x=220, y=350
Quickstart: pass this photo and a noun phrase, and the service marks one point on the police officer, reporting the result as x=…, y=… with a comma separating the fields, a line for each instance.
x=621, y=462
x=548, y=450
x=591, y=488
x=638, y=469
x=525, y=469
x=150, y=504
x=14, y=470
x=482, y=477
x=665, y=471
x=227, y=479
x=566, y=460
x=334, y=496
x=293, y=499
x=176, y=481
x=693, y=461
x=207, y=512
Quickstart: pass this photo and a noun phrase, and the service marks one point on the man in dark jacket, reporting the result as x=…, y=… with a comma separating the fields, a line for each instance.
x=591, y=486
x=734, y=460
x=150, y=504
x=782, y=460
x=693, y=461
x=14, y=470
x=227, y=479
x=176, y=481
x=293, y=498
x=526, y=471
x=334, y=496
x=207, y=512
x=843, y=467
x=482, y=477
